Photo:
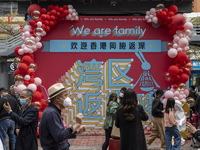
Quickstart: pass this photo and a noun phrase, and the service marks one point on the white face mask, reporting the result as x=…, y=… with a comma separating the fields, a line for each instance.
x=121, y=94
x=67, y=102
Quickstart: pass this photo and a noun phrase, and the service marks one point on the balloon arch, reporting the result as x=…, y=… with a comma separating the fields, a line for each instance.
x=43, y=20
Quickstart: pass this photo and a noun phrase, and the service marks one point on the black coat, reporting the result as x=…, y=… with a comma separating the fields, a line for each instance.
x=197, y=105
x=131, y=132
x=28, y=121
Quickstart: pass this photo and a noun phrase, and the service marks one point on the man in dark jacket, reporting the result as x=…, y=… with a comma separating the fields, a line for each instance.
x=158, y=116
x=28, y=121
x=7, y=126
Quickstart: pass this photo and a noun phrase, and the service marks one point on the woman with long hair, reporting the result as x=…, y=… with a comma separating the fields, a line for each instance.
x=111, y=109
x=158, y=130
x=171, y=128
x=129, y=119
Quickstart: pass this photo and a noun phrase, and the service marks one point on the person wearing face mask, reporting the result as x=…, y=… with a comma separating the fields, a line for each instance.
x=27, y=121
x=7, y=125
x=121, y=94
x=53, y=134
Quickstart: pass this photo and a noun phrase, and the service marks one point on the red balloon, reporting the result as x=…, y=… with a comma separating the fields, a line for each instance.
x=32, y=8
x=37, y=96
x=179, y=20
x=56, y=8
x=47, y=28
x=180, y=71
x=16, y=72
x=26, y=83
x=171, y=13
x=182, y=56
x=27, y=59
x=171, y=80
x=32, y=23
x=51, y=7
x=52, y=18
x=46, y=22
x=164, y=14
x=31, y=80
x=43, y=11
x=61, y=9
x=184, y=78
x=173, y=70
x=47, y=17
x=43, y=17
x=175, y=86
x=65, y=7
x=53, y=12
x=22, y=67
x=65, y=12
x=51, y=23
x=173, y=8
x=16, y=50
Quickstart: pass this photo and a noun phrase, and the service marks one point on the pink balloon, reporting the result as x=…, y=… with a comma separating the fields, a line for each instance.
x=188, y=25
x=172, y=53
x=176, y=93
x=164, y=102
x=169, y=94
x=183, y=42
x=186, y=92
x=32, y=87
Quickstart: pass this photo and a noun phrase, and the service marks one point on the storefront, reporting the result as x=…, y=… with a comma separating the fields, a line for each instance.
x=195, y=74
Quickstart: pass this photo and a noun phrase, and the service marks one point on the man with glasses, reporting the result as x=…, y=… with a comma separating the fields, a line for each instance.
x=27, y=121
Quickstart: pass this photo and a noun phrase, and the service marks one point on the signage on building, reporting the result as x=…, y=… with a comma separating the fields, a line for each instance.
x=196, y=64
x=98, y=55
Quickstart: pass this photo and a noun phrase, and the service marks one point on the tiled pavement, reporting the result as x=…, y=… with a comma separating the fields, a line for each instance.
x=95, y=142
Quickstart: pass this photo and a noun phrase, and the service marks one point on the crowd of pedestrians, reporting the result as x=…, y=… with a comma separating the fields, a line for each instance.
x=19, y=121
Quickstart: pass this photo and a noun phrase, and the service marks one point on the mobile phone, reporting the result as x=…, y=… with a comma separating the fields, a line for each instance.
x=6, y=100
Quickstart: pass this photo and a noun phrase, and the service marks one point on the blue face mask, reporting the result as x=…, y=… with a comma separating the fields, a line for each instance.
x=23, y=101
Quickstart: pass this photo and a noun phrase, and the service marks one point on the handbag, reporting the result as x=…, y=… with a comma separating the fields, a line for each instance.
x=115, y=134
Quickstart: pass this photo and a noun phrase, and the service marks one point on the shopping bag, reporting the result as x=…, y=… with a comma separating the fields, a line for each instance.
x=115, y=134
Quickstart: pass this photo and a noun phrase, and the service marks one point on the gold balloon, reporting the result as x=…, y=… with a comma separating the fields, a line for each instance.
x=33, y=67
x=169, y=45
x=159, y=7
x=35, y=14
x=167, y=76
x=18, y=77
x=16, y=62
x=189, y=66
x=39, y=31
x=181, y=85
x=29, y=43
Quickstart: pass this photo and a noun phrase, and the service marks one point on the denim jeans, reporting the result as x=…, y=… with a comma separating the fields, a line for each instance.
x=169, y=132
x=7, y=126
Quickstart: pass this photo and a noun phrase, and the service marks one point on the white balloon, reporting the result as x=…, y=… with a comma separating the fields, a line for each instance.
x=37, y=81
x=39, y=24
x=151, y=16
x=146, y=17
x=27, y=34
x=32, y=87
x=70, y=7
x=26, y=49
x=27, y=28
x=188, y=25
x=148, y=13
x=38, y=45
x=20, y=88
x=70, y=11
x=21, y=51
x=152, y=10
x=27, y=77
x=155, y=19
x=175, y=45
x=76, y=18
x=73, y=14
x=37, y=39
